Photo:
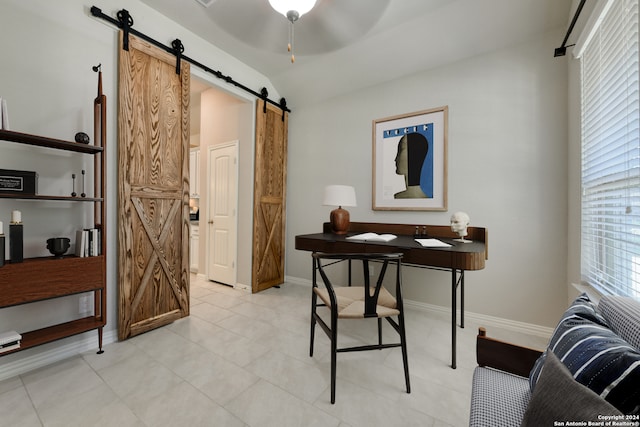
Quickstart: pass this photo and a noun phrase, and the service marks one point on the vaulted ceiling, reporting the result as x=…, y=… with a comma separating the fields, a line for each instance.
x=344, y=45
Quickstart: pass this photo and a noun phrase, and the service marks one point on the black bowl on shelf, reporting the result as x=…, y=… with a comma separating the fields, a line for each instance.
x=58, y=246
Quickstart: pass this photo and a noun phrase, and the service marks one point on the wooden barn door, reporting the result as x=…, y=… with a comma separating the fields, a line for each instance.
x=153, y=187
x=269, y=197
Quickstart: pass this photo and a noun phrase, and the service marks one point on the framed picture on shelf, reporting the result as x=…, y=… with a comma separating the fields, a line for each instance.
x=410, y=161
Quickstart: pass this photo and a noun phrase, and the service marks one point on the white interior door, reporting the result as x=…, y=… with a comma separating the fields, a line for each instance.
x=222, y=225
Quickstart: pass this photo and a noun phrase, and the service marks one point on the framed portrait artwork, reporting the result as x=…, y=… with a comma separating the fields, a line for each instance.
x=410, y=161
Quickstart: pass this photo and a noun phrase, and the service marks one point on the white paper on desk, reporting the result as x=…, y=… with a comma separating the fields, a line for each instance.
x=432, y=243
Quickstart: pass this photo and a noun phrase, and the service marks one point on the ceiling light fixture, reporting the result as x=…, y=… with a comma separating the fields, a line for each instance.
x=292, y=10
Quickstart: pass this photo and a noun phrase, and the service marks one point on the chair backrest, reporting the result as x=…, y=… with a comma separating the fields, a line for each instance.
x=370, y=297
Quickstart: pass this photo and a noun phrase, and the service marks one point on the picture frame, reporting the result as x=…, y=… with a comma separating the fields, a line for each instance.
x=410, y=161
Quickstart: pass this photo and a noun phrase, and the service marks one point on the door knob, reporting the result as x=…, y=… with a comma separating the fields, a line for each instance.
x=210, y=221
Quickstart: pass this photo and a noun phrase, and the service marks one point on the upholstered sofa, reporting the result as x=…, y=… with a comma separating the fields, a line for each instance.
x=588, y=375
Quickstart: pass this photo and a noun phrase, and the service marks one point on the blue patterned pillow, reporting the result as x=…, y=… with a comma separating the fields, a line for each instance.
x=595, y=356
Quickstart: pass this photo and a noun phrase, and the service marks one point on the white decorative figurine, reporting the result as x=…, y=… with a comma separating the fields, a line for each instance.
x=459, y=224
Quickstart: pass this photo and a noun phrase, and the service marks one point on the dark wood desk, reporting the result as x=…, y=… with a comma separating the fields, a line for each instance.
x=458, y=258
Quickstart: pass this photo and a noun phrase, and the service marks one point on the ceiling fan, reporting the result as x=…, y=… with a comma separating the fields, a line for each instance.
x=327, y=25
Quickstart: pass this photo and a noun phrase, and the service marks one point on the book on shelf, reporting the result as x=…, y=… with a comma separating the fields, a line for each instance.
x=80, y=243
x=7, y=347
x=9, y=341
x=88, y=242
x=10, y=336
x=373, y=237
x=93, y=241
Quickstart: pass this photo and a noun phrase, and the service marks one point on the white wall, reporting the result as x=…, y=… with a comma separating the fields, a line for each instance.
x=507, y=169
x=48, y=50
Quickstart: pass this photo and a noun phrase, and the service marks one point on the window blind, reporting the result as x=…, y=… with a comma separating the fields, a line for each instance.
x=610, y=258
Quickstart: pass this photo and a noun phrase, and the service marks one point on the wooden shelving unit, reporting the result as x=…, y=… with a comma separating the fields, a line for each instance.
x=44, y=278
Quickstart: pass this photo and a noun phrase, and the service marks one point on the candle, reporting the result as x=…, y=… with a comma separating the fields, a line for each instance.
x=16, y=217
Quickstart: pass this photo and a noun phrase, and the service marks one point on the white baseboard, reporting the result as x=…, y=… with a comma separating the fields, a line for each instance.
x=242, y=287
x=43, y=358
x=297, y=281
x=498, y=322
x=485, y=320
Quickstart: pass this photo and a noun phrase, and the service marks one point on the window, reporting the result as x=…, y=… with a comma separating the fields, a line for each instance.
x=611, y=149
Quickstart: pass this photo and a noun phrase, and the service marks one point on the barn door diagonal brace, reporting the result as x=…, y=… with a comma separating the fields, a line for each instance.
x=125, y=22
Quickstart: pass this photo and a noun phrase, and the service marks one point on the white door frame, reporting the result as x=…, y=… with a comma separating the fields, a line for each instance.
x=210, y=149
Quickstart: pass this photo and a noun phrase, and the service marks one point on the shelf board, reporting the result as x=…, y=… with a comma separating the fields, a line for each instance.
x=42, y=141
x=45, y=197
x=56, y=332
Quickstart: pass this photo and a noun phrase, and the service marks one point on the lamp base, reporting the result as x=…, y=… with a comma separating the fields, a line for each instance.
x=339, y=220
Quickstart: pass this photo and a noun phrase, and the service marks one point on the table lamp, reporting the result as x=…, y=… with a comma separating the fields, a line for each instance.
x=339, y=195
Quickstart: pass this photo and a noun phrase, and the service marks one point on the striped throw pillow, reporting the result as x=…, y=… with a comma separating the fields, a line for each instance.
x=595, y=356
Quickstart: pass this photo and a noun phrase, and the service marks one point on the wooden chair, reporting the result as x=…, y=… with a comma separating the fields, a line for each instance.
x=356, y=302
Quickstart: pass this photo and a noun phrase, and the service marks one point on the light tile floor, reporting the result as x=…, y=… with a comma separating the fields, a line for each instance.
x=242, y=359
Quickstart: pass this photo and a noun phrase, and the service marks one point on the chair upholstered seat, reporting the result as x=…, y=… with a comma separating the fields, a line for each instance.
x=351, y=302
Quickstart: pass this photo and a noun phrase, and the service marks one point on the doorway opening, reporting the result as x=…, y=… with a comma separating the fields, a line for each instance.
x=219, y=116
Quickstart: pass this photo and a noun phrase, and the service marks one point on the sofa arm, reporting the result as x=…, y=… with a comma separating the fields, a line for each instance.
x=504, y=356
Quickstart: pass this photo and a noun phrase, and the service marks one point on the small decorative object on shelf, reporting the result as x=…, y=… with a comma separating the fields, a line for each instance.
x=18, y=182
x=15, y=237
x=58, y=246
x=73, y=177
x=83, y=194
x=82, y=138
x=1, y=244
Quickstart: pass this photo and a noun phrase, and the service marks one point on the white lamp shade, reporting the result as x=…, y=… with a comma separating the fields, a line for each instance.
x=339, y=195
x=300, y=6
